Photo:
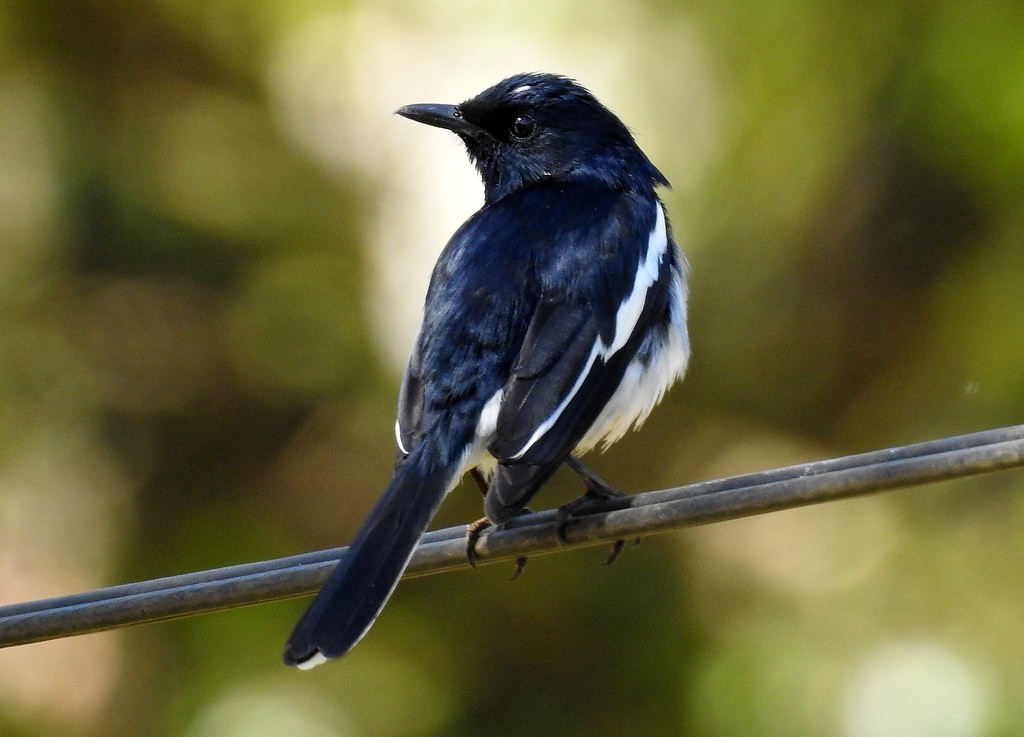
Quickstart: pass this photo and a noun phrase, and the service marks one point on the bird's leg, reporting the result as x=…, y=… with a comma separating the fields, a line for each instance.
x=475, y=529
x=481, y=482
x=600, y=496
x=597, y=487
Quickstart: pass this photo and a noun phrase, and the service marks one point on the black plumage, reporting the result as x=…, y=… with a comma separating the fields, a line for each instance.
x=554, y=321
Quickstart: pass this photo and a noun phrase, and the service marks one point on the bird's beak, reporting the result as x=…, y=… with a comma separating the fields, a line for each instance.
x=440, y=116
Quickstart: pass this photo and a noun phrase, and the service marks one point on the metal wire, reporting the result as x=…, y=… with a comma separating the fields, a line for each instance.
x=530, y=535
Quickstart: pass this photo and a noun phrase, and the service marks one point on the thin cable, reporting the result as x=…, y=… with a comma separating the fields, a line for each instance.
x=444, y=550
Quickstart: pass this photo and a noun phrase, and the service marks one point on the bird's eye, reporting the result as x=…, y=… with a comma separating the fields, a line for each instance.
x=523, y=127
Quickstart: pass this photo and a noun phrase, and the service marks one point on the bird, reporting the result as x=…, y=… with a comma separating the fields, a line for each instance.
x=554, y=321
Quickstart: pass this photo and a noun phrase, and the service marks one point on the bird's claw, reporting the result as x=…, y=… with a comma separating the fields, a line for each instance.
x=599, y=497
x=473, y=532
x=617, y=547
x=520, y=567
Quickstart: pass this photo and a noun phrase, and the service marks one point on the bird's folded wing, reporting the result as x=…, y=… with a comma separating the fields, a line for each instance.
x=559, y=384
x=556, y=354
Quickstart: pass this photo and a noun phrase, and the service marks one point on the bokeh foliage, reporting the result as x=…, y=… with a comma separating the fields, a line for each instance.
x=213, y=244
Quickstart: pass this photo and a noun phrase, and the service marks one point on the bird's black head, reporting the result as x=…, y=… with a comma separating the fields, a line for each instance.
x=533, y=127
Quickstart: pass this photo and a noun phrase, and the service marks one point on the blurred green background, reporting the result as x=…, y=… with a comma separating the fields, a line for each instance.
x=214, y=242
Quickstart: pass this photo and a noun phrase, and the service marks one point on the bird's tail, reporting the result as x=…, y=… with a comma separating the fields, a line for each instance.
x=358, y=588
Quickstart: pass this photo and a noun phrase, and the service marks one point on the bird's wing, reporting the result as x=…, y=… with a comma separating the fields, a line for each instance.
x=572, y=360
x=549, y=384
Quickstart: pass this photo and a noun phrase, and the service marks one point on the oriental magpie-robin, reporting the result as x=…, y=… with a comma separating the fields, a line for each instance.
x=555, y=320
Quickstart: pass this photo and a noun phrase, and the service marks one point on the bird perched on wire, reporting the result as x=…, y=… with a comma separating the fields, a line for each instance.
x=554, y=321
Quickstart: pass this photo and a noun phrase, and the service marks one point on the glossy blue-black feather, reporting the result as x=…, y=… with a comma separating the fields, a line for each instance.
x=519, y=356
x=517, y=302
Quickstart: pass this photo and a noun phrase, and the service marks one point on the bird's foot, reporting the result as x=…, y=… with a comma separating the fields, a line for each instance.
x=600, y=496
x=473, y=532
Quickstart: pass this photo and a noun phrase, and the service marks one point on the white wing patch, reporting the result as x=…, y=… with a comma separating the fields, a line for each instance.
x=645, y=382
x=625, y=321
x=489, y=418
x=398, y=438
x=646, y=275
